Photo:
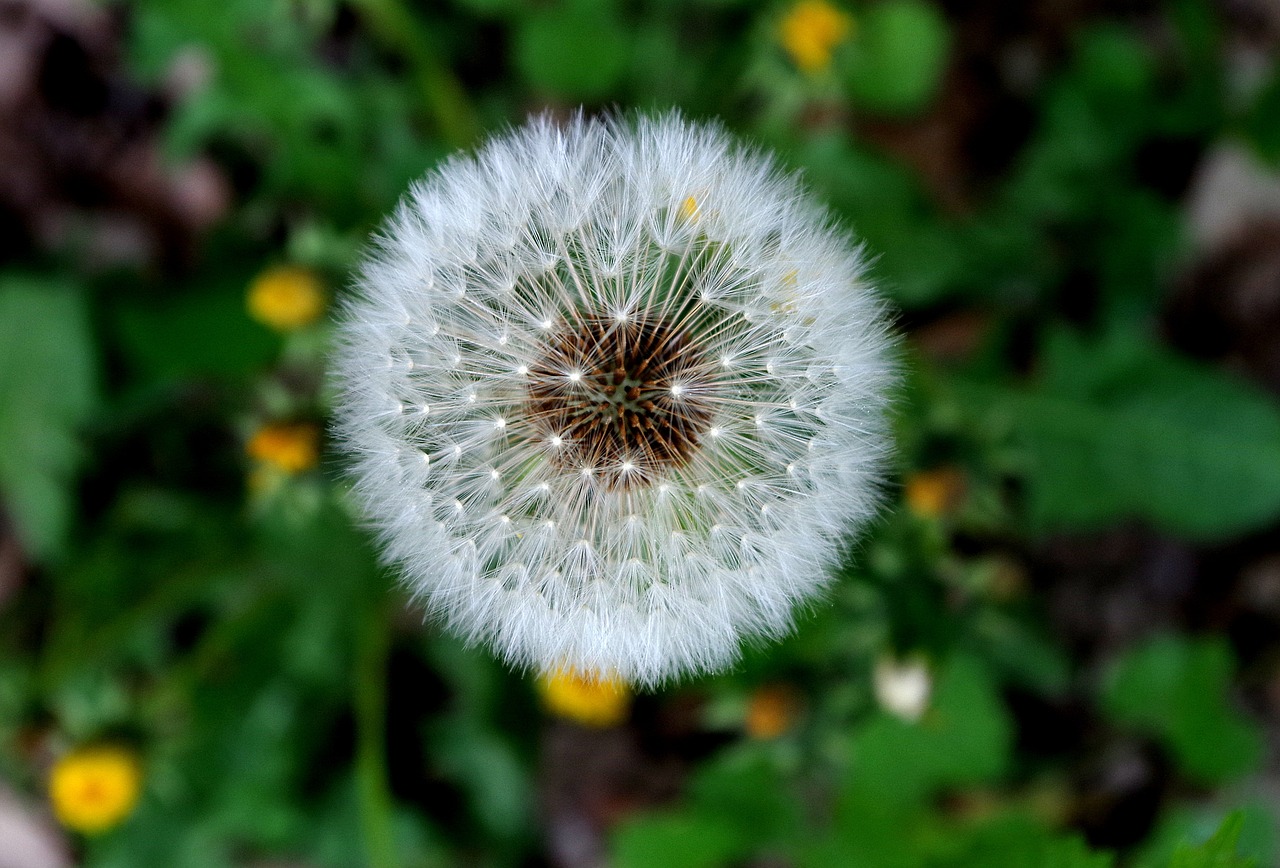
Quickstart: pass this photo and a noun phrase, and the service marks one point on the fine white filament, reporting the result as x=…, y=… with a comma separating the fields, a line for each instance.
x=640, y=525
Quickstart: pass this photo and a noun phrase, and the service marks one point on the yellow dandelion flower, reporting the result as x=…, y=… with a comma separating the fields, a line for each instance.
x=771, y=711
x=934, y=493
x=290, y=448
x=590, y=700
x=94, y=788
x=810, y=32
x=286, y=298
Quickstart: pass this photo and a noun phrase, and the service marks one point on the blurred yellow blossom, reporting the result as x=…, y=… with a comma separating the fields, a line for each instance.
x=286, y=297
x=690, y=209
x=771, y=711
x=94, y=788
x=291, y=448
x=933, y=493
x=590, y=700
x=810, y=32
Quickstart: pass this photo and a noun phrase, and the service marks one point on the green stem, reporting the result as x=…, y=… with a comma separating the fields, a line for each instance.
x=445, y=98
x=371, y=750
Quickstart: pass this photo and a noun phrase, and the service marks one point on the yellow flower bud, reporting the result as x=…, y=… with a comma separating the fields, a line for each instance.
x=934, y=493
x=903, y=687
x=771, y=711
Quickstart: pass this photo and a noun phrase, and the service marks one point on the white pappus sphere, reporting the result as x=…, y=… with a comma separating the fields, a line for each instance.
x=615, y=392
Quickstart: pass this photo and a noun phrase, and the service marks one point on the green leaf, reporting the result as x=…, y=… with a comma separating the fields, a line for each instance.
x=47, y=390
x=488, y=769
x=488, y=8
x=964, y=738
x=1114, y=64
x=1015, y=842
x=674, y=840
x=1218, y=852
x=1177, y=690
x=738, y=804
x=1182, y=824
x=878, y=839
x=1263, y=121
x=204, y=332
x=574, y=53
x=1122, y=429
x=917, y=258
x=743, y=788
x=897, y=56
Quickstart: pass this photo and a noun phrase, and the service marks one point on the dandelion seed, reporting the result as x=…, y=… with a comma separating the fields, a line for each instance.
x=629, y=384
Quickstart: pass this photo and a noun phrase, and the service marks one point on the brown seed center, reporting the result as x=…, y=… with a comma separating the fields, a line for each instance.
x=621, y=400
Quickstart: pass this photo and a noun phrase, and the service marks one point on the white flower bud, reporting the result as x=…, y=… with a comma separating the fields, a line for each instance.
x=615, y=391
x=903, y=687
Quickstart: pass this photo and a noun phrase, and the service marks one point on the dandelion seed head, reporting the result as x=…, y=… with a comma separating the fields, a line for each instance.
x=656, y=382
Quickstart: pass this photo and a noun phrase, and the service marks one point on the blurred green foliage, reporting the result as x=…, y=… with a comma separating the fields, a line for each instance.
x=48, y=389
x=1178, y=691
x=1120, y=428
x=895, y=62
x=286, y=699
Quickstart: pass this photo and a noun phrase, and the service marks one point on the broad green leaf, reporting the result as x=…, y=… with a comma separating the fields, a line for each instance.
x=736, y=805
x=1218, y=852
x=744, y=788
x=487, y=768
x=1015, y=842
x=488, y=8
x=1263, y=122
x=1177, y=690
x=1023, y=654
x=675, y=840
x=201, y=333
x=918, y=259
x=964, y=738
x=574, y=53
x=897, y=55
x=1114, y=64
x=870, y=833
x=47, y=390
x=1122, y=429
x=1183, y=824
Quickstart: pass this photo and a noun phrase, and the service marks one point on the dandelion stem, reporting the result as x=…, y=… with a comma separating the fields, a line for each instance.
x=372, y=789
x=445, y=98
